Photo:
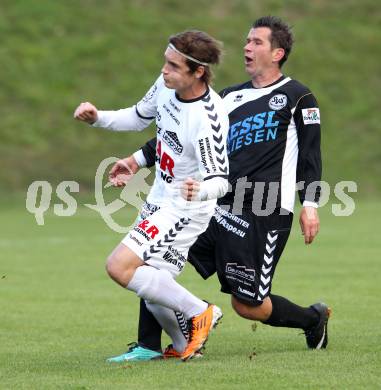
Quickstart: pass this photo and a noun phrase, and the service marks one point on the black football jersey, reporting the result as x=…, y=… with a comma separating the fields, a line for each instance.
x=273, y=143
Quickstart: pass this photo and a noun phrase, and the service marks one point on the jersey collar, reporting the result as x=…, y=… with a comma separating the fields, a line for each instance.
x=195, y=99
x=281, y=78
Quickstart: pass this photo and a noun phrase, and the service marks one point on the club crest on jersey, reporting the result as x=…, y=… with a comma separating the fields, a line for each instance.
x=277, y=102
x=238, y=98
x=311, y=116
x=170, y=138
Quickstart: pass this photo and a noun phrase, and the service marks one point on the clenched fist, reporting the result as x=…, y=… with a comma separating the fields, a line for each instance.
x=86, y=112
x=189, y=189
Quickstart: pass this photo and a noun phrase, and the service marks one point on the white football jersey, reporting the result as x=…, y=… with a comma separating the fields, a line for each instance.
x=191, y=140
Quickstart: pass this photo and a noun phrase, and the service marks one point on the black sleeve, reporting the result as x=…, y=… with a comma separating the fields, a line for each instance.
x=309, y=165
x=149, y=151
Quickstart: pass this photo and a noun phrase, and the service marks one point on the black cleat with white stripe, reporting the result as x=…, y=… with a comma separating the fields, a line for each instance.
x=317, y=336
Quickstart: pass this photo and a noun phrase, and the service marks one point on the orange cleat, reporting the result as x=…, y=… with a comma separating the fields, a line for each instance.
x=170, y=352
x=201, y=325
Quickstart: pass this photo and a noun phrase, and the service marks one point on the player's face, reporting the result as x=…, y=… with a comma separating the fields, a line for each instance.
x=259, y=56
x=176, y=72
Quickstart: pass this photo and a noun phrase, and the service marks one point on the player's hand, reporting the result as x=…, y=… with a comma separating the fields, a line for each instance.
x=122, y=171
x=189, y=189
x=309, y=223
x=86, y=112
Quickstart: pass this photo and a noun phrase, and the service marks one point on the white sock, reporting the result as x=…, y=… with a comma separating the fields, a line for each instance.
x=158, y=286
x=174, y=324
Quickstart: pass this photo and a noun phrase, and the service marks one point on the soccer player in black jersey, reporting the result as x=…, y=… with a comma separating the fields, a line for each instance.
x=273, y=143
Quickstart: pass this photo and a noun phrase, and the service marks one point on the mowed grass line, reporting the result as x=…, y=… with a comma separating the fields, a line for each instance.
x=61, y=316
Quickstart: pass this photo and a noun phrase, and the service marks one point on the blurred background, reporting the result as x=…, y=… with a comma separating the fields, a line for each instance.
x=60, y=314
x=55, y=54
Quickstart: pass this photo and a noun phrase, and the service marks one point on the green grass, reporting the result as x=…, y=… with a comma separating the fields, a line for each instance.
x=61, y=316
x=56, y=54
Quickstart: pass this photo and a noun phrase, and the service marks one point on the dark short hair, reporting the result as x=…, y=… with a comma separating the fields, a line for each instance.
x=281, y=35
x=200, y=46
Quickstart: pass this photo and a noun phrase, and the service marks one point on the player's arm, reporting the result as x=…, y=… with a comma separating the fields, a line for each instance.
x=213, y=188
x=309, y=167
x=137, y=117
x=123, y=170
x=213, y=162
x=147, y=153
x=145, y=156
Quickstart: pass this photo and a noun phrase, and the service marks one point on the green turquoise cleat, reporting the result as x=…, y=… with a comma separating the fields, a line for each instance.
x=136, y=353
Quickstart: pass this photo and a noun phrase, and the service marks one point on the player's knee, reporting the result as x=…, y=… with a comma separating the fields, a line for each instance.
x=112, y=267
x=117, y=268
x=260, y=312
x=242, y=309
x=122, y=264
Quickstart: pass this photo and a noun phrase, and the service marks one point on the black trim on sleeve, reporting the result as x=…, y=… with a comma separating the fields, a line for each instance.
x=149, y=151
x=141, y=116
x=213, y=176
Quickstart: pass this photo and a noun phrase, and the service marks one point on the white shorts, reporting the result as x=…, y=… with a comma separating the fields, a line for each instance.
x=164, y=237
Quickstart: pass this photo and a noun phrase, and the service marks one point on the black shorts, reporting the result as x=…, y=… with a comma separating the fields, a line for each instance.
x=244, y=251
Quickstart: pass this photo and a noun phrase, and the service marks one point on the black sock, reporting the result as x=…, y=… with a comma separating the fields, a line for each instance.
x=149, y=333
x=288, y=315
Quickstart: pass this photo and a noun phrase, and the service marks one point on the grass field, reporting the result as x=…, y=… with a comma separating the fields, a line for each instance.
x=60, y=316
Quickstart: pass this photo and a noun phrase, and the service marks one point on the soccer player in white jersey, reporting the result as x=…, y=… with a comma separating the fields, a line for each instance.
x=191, y=173
x=274, y=138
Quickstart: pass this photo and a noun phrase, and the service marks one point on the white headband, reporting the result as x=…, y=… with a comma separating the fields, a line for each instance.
x=171, y=46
